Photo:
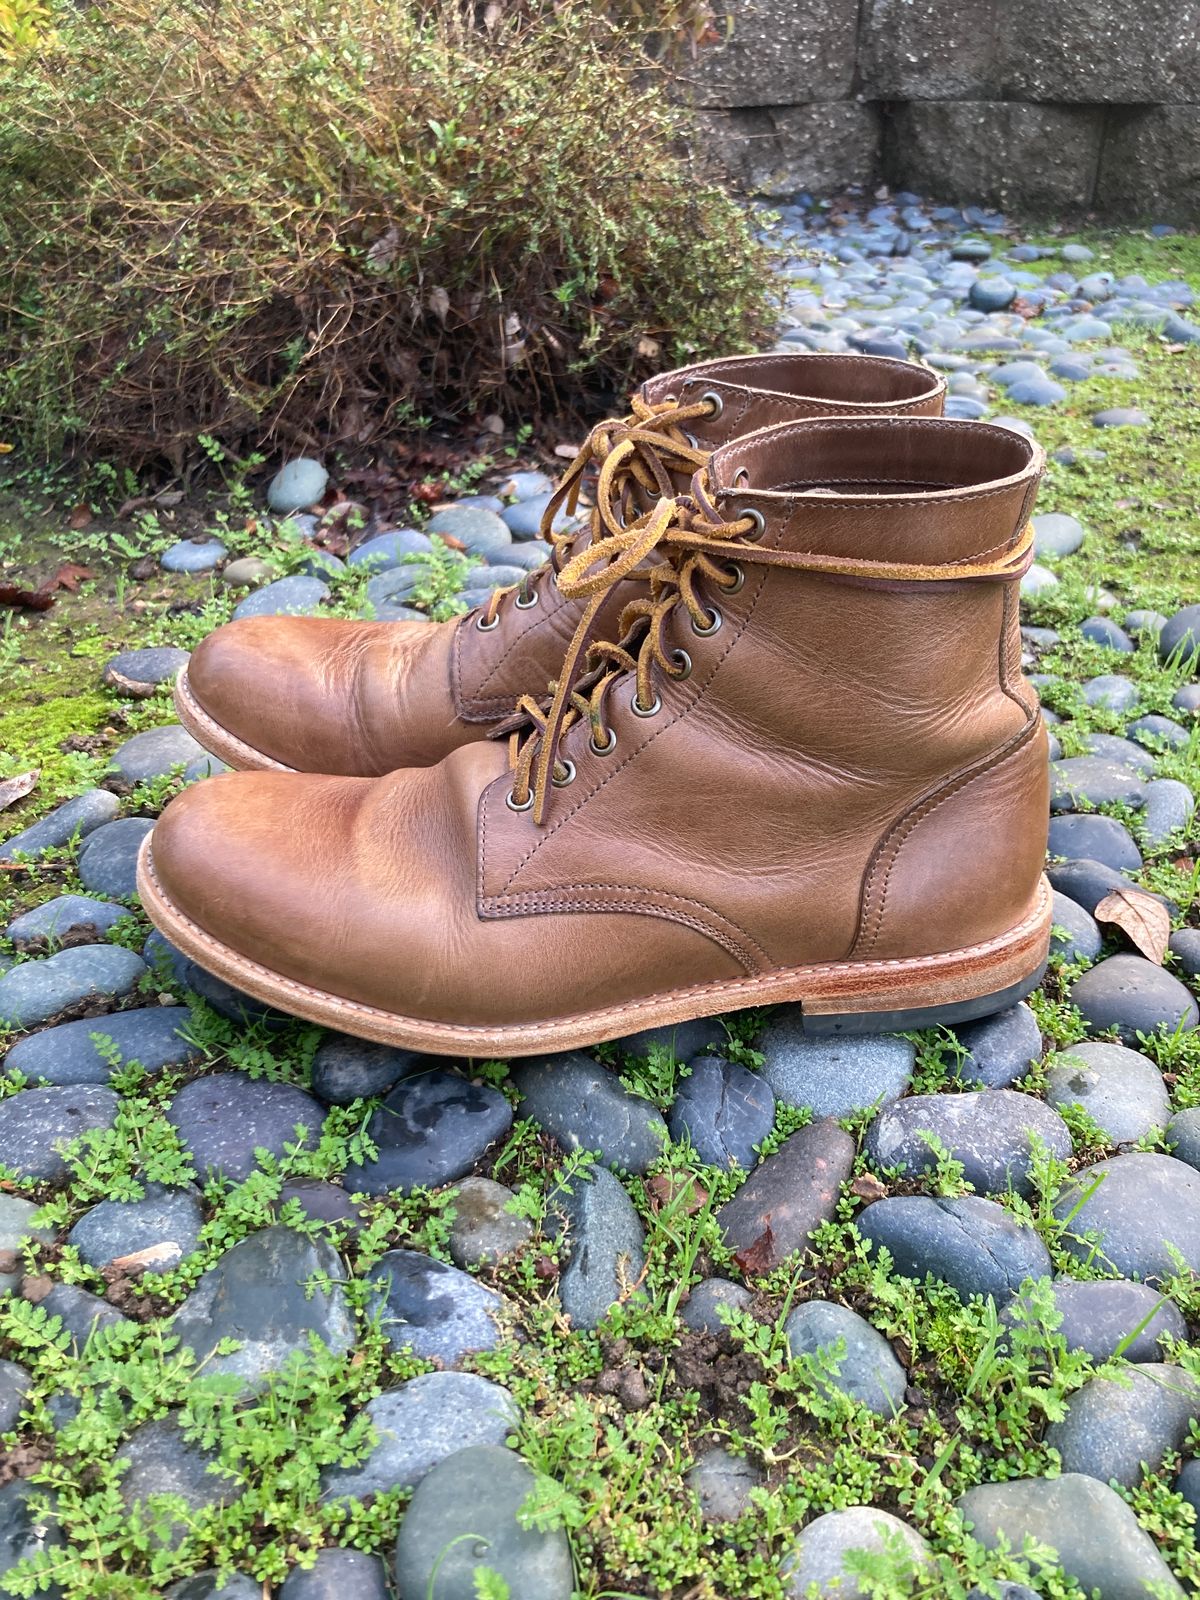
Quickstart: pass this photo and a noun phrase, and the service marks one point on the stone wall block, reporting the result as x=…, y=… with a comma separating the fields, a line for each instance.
x=931, y=49
x=780, y=53
x=1102, y=51
x=778, y=151
x=1150, y=164
x=996, y=153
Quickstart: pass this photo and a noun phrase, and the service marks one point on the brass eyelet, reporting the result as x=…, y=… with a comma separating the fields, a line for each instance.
x=692, y=442
x=486, y=627
x=512, y=805
x=685, y=666
x=741, y=477
x=736, y=578
x=527, y=604
x=759, y=521
x=604, y=749
x=568, y=775
x=715, y=400
x=651, y=710
x=715, y=621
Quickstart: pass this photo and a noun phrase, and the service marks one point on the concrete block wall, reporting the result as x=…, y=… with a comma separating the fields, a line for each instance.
x=1051, y=105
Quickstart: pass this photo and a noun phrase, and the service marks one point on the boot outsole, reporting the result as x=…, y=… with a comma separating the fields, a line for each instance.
x=848, y=1023
x=835, y=997
x=215, y=738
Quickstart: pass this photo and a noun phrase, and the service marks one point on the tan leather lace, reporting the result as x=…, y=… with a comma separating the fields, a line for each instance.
x=590, y=668
x=637, y=456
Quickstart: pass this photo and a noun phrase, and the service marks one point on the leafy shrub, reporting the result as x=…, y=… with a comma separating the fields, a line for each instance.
x=300, y=218
x=25, y=25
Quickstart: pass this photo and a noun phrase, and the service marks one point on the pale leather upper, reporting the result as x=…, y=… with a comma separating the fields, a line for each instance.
x=855, y=769
x=323, y=695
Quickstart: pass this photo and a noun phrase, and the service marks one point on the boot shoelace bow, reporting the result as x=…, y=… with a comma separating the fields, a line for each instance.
x=636, y=455
x=698, y=546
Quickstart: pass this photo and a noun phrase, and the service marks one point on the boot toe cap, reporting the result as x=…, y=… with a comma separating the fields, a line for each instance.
x=322, y=695
x=243, y=868
x=241, y=678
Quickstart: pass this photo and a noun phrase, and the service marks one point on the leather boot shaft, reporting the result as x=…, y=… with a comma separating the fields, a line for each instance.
x=853, y=763
x=734, y=396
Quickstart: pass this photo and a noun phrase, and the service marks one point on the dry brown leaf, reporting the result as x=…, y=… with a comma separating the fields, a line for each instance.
x=663, y=1190
x=80, y=517
x=758, y=1257
x=25, y=599
x=149, y=1257
x=165, y=499
x=385, y=249
x=134, y=688
x=868, y=1187
x=69, y=576
x=1144, y=921
x=14, y=789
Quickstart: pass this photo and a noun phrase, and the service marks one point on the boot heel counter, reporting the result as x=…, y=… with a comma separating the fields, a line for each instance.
x=963, y=865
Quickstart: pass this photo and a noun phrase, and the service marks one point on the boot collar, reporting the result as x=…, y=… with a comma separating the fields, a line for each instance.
x=744, y=392
x=870, y=493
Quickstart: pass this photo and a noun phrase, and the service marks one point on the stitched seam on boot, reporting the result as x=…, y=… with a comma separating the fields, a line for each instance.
x=872, y=424
x=536, y=898
x=891, y=845
x=518, y=642
x=1010, y=604
x=549, y=900
x=477, y=707
x=917, y=497
x=830, y=407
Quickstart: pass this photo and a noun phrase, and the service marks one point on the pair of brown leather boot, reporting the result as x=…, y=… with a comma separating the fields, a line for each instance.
x=786, y=753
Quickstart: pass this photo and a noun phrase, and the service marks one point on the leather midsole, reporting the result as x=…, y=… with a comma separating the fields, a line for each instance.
x=828, y=987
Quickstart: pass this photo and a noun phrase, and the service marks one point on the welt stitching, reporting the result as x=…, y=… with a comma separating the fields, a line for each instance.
x=723, y=986
x=891, y=848
x=620, y=767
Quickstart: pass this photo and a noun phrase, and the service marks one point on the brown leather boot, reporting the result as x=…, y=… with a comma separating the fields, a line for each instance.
x=320, y=695
x=810, y=771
